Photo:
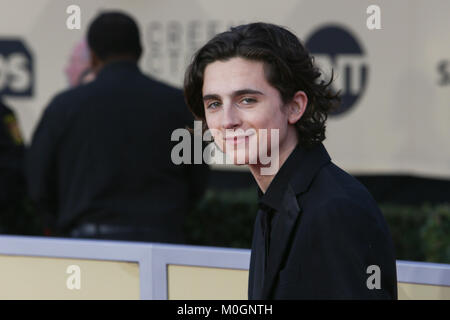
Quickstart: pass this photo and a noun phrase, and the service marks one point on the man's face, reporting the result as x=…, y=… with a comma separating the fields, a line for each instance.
x=238, y=103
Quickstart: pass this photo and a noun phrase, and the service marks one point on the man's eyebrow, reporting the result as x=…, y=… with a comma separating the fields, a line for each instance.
x=211, y=97
x=246, y=91
x=235, y=94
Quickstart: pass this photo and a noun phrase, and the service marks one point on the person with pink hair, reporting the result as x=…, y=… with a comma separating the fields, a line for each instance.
x=78, y=69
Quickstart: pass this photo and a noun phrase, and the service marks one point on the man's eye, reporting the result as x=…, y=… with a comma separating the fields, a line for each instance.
x=213, y=105
x=248, y=101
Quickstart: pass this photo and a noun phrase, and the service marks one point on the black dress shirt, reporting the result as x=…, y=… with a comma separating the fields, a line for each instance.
x=267, y=217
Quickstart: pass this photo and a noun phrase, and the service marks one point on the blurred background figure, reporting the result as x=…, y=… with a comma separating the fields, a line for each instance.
x=12, y=183
x=78, y=69
x=99, y=165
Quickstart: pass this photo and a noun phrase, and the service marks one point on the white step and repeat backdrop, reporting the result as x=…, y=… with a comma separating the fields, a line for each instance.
x=395, y=80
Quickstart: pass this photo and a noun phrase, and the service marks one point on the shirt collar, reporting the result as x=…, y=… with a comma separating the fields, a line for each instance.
x=274, y=194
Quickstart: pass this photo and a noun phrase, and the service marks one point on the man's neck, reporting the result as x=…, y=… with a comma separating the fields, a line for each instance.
x=264, y=181
x=103, y=63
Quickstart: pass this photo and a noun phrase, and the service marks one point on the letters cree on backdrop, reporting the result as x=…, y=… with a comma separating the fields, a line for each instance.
x=395, y=80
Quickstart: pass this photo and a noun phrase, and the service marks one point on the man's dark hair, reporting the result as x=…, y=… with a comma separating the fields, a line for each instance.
x=288, y=67
x=114, y=34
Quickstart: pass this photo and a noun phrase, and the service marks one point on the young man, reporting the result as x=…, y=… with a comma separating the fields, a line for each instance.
x=318, y=233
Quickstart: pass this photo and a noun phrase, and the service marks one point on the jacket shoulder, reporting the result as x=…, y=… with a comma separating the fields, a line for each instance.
x=335, y=198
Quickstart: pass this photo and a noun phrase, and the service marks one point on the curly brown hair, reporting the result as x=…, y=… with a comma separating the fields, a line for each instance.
x=288, y=67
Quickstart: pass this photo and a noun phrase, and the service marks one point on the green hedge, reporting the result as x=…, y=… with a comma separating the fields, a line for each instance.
x=225, y=219
x=20, y=218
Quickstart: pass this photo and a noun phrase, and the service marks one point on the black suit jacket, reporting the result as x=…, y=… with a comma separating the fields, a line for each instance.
x=102, y=154
x=328, y=231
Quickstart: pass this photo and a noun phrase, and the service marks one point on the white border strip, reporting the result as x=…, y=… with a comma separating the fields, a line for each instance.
x=85, y=249
x=214, y=257
x=423, y=273
x=154, y=258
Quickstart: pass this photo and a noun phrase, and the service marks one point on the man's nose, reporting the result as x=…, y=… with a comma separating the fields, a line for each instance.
x=230, y=117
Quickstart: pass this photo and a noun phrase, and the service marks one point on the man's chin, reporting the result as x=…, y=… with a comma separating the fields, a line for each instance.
x=243, y=160
x=240, y=164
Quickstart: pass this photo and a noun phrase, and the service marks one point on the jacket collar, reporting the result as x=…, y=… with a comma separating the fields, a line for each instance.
x=298, y=171
x=302, y=165
x=117, y=66
x=309, y=164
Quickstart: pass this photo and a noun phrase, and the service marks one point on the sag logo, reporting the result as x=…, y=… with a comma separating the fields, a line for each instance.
x=334, y=47
x=16, y=69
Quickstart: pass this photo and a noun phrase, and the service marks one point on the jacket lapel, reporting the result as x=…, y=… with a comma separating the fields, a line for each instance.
x=309, y=164
x=281, y=239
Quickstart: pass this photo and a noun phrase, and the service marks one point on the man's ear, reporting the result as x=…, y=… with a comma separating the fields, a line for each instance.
x=95, y=62
x=297, y=107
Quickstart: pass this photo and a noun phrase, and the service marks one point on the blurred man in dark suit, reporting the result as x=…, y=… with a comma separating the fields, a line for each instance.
x=100, y=161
